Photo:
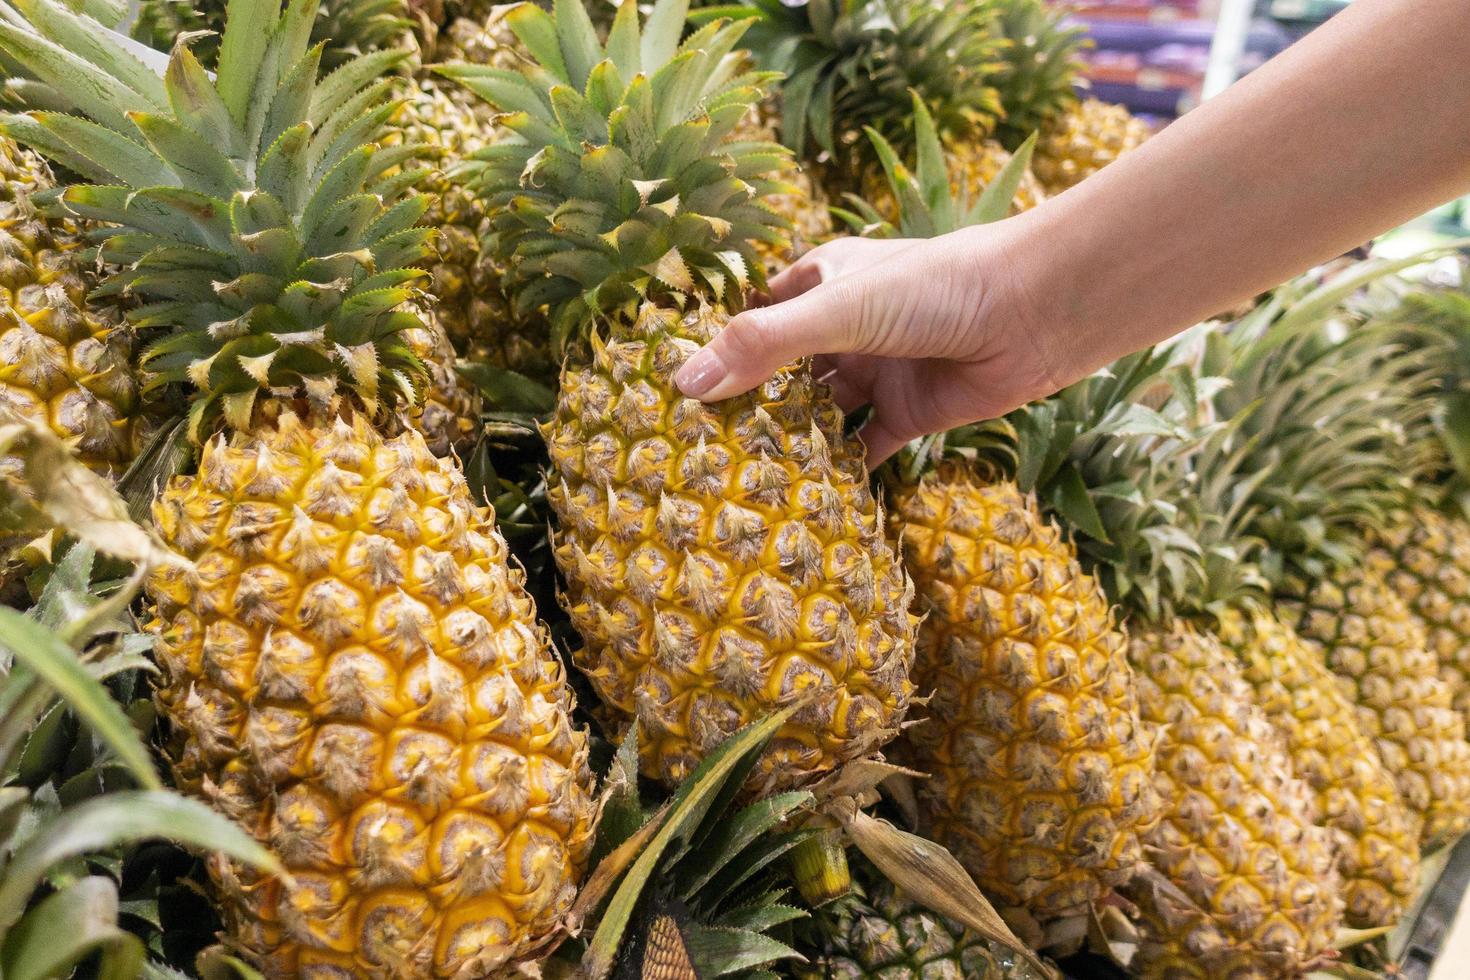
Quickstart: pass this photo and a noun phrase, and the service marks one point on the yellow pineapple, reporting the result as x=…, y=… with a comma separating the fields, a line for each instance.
x=1041, y=778
x=1376, y=836
x=720, y=560
x=1041, y=781
x=1424, y=556
x=972, y=168
x=351, y=666
x=356, y=675
x=1319, y=470
x=1241, y=881
x=448, y=415
x=465, y=282
x=1380, y=651
x=1083, y=140
x=61, y=360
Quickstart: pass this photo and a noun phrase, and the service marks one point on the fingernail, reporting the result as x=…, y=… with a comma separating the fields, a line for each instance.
x=700, y=374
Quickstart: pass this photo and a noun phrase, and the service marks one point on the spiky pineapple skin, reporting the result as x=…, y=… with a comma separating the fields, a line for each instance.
x=1376, y=835
x=1240, y=881
x=354, y=672
x=1082, y=141
x=61, y=360
x=878, y=933
x=1424, y=557
x=448, y=416
x=1041, y=779
x=1379, y=651
x=972, y=168
x=723, y=561
x=465, y=282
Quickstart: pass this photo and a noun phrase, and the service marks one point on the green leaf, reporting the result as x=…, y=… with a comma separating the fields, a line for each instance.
x=198, y=105
x=249, y=27
x=761, y=917
x=88, y=39
x=121, y=818
x=731, y=838
x=661, y=33
x=580, y=49
x=1454, y=428
x=995, y=200
x=624, y=45
x=721, y=952
x=199, y=166
x=690, y=803
x=122, y=158
x=1070, y=497
x=67, y=927
x=55, y=663
x=622, y=814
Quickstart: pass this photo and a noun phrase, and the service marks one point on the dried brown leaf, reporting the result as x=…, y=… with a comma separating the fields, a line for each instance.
x=928, y=874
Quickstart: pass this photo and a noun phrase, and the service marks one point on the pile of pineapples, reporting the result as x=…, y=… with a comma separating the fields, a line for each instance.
x=491, y=654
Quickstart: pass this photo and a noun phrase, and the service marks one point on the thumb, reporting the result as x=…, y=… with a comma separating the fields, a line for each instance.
x=757, y=343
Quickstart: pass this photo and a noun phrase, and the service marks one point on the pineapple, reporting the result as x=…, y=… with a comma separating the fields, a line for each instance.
x=448, y=414
x=1323, y=452
x=1082, y=142
x=972, y=167
x=1041, y=778
x=351, y=666
x=720, y=560
x=1376, y=836
x=1038, y=72
x=62, y=359
x=878, y=933
x=1378, y=648
x=1236, y=879
x=1241, y=880
x=1424, y=558
x=1041, y=775
x=1037, y=85
x=465, y=282
x=855, y=64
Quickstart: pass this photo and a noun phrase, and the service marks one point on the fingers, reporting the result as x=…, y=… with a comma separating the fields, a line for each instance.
x=881, y=440
x=757, y=343
x=830, y=261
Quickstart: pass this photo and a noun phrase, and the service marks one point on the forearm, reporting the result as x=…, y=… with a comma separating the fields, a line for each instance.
x=1359, y=127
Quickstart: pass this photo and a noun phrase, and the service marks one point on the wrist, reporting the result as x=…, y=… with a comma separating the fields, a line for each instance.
x=1023, y=308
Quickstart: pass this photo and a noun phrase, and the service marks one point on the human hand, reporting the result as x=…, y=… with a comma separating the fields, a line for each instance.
x=931, y=333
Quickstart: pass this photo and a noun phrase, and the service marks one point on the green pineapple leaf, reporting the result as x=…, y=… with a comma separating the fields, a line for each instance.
x=678, y=822
x=69, y=927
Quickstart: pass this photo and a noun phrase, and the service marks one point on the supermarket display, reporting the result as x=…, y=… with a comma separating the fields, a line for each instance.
x=365, y=572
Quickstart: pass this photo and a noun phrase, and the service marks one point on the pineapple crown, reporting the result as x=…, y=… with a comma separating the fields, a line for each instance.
x=247, y=210
x=619, y=182
x=1114, y=458
x=1039, y=73
x=929, y=203
x=1437, y=323
x=1326, y=436
x=848, y=60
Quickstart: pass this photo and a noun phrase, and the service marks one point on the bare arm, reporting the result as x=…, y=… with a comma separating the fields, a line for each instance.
x=1360, y=126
